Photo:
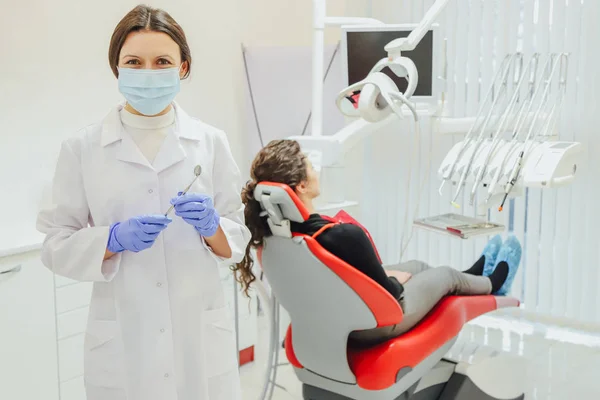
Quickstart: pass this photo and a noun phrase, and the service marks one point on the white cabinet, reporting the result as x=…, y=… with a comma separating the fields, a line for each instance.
x=28, y=357
x=72, y=306
x=246, y=315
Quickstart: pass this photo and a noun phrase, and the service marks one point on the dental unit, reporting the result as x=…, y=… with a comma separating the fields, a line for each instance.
x=492, y=137
x=530, y=158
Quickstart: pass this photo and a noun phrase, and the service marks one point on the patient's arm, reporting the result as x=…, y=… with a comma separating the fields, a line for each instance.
x=351, y=244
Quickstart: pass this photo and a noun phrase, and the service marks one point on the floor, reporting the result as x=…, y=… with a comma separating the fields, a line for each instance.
x=562, y=363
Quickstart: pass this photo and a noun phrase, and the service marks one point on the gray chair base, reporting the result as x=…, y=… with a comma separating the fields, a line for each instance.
x=459, y=387
x=447, y=380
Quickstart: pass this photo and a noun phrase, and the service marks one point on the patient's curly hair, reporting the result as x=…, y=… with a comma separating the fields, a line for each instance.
x=281, y=161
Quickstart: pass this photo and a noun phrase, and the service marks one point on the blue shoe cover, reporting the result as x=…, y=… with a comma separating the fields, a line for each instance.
x=510, y=252
x=490, y=252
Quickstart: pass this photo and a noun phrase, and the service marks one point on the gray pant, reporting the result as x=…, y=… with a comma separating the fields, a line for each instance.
x=422, y=292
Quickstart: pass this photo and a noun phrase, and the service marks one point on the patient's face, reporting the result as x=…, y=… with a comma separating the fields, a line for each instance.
x=312, y=184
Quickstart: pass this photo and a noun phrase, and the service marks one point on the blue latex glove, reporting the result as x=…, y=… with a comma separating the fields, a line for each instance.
x=197, y=210
x=136, y=234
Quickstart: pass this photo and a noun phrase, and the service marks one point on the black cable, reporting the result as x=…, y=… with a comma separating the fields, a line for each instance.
x=335, y=51
x=262, y=142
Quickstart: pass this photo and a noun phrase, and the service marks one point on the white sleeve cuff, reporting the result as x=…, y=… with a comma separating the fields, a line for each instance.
x=79, y=255
x=210, y=250
x=110, y=267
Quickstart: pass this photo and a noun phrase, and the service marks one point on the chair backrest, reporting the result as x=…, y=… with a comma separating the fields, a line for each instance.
x=325, y=297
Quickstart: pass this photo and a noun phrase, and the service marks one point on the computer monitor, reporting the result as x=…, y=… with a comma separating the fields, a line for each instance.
x=363, y=46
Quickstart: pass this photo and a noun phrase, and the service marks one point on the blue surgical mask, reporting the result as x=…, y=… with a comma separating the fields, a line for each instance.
x=149, y=91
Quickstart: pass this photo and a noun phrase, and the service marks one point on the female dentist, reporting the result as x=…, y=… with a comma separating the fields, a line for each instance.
x=159, y=327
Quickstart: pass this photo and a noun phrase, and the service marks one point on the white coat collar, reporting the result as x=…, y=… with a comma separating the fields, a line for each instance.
x=185, y=126
x=170, y=153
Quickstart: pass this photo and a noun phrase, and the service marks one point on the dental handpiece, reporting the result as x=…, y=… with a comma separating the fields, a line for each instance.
x=519, y=78
x=475, y=126
x=514, y=176
x=480, y=138
x=521, y=119
x=197, y=172
x=512, y=180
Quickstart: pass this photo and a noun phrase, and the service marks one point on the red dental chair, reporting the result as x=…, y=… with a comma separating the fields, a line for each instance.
x=328, y=299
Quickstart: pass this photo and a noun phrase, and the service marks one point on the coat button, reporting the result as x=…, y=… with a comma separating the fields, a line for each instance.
x=150, y=191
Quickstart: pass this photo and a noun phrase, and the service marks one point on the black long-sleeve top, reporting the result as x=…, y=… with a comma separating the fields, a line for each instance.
x=351, y=244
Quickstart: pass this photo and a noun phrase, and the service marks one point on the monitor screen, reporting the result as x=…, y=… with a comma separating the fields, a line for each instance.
x=365, y=49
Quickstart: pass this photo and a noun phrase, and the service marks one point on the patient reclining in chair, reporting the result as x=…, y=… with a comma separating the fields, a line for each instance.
x=417, y=286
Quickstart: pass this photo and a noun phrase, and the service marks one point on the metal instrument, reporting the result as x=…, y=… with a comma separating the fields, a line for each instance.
x=197, y=172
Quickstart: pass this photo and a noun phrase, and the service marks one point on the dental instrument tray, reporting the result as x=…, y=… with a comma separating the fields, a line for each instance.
x=459, y=225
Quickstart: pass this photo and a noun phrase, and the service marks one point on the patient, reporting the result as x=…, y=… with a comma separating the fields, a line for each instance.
x=417, y=286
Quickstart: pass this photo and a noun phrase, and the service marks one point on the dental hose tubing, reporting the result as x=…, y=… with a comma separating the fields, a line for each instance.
x=424, y=183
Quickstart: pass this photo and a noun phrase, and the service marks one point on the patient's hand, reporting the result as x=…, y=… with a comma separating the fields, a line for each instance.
x=402, y=277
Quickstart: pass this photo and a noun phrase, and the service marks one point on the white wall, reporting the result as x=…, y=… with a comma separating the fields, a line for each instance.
x=55, y=79
x=289, y=22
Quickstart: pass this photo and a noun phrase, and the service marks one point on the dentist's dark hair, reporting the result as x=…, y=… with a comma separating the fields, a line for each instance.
x=281, y=161
x=146, y=18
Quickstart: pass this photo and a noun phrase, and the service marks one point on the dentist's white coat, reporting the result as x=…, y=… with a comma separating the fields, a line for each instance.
x=159, y=327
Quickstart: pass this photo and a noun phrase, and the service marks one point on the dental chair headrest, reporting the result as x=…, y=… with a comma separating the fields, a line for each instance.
x=281, y=205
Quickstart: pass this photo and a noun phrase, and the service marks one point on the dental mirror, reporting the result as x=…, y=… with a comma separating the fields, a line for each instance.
x=197, y=172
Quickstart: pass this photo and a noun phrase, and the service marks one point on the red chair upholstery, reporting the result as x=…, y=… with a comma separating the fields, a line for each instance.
x=377, y=368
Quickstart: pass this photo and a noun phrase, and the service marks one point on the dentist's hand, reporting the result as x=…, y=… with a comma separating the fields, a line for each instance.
x=198, y=210
x=136, y=234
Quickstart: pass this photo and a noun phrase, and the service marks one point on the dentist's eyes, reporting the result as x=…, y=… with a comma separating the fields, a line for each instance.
x=164, y=61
